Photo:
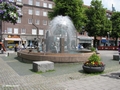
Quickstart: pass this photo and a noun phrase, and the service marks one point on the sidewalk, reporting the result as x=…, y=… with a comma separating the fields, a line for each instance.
x=5, y=52
x=14, y=75
x=109, y=81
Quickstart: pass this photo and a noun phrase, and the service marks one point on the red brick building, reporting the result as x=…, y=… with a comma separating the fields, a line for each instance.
x=32, y=23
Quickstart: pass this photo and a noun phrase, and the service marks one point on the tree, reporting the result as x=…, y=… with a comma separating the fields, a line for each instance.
x=115, y=18
x=97, y=22
x=8, y=12
x=72, y=8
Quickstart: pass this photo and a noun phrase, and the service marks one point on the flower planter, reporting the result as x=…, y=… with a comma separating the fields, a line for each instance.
x=90, y=69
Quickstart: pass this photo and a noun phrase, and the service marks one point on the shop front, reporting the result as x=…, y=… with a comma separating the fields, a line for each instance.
x=107, y=44
x=11, y=40
x=85, y=41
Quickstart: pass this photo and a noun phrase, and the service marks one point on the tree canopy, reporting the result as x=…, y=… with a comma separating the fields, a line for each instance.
x=8, y=12
x=97, y=22
x=96, y=16
x=72, y=8
x=115, y=18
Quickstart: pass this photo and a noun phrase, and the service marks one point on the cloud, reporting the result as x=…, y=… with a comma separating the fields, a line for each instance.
x=107, y=4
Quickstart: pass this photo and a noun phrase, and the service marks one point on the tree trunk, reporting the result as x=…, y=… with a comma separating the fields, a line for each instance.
x=95, y=42
x=116, y=41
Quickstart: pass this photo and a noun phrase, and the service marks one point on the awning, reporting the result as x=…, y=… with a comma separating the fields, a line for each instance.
x=103, y=41
x=84, y=41
x=13, y=39
x=23, y=39
x=85, y=38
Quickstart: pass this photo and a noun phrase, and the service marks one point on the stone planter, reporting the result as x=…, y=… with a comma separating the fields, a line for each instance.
x=89, y=69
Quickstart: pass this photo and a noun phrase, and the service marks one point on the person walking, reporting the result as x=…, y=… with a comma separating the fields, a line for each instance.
x=15, y=48
x=79, y=46
x=119, y=52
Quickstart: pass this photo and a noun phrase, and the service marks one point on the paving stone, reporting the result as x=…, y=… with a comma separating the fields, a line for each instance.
x=64, y=81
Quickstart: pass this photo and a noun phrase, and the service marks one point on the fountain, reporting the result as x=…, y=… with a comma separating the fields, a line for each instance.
x=62, y=35
x=60, y=40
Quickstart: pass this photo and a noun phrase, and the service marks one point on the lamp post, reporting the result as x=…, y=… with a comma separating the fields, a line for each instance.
x=108, y=38
x=83, y=30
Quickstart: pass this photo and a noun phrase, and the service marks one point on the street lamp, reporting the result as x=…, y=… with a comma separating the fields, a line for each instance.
x=108, y=38
x=83, y=30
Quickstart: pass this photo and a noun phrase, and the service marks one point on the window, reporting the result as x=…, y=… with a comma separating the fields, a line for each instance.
x=44, y=22
x=41, y=32
x=29, y=21
x=19, y=0
x=11, y=0
x=5, y=31
x=19, y=20
x=37, y=12
x=37, y=3
x=15, y=30
x=50, y=5
x=44, y=4
x=49, y=23
x=37, y=22
x=9, y=30
x=34, y=31
x=30, y=12
x=23, y=31
x=30, y=2
x=44, y=13
x=19, y=10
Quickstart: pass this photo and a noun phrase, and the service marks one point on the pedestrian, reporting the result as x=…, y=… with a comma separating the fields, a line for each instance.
x=15, y=48
x=79, y=46
x=119, y=52
x=96, y=48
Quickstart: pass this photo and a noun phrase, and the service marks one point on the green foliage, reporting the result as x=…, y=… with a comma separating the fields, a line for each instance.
x=115, y=18
x=96, y=17
x=94, y=58
x=97, y=23
x=72, y=8
x=94, y=61
x=92, y=49
x=8, y=12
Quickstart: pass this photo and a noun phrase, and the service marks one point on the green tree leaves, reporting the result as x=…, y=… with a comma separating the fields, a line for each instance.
x=97, y=22
x=72, y=8
x=8, y=12
x=115, y=18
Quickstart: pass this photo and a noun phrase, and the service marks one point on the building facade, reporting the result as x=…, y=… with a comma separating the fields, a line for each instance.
x=32, y=23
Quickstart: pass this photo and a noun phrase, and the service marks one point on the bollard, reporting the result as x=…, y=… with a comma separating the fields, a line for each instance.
x=119, y=57
x=2, y=51
x=8, y=54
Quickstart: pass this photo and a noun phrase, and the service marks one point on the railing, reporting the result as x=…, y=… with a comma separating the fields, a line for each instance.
x=107, y=47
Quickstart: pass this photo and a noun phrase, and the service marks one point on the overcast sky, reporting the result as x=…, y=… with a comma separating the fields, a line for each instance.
x=107, y=4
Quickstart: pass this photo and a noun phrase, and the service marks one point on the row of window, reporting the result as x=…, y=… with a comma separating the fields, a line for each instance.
x=46, y=5
x=37, y=22
x=30, y=2
x=37, y=12
x=23, y=31
x=16, y=0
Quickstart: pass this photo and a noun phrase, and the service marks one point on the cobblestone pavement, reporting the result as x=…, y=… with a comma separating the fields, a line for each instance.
x=13, y=77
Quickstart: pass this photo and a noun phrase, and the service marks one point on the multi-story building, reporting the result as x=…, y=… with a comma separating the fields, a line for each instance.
x=32, y=23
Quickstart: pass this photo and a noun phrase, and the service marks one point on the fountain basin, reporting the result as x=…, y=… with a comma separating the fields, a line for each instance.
x=29, y=57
